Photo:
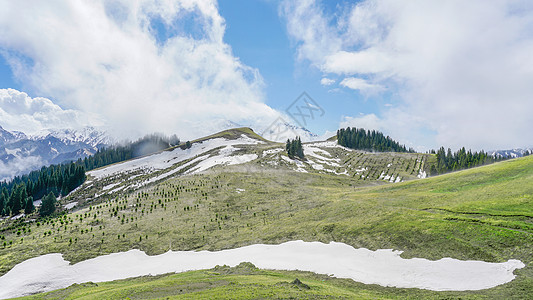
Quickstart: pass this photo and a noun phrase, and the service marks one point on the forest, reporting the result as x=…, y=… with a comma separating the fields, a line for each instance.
x=361, y=139
x=461, y=159
x=19, y=193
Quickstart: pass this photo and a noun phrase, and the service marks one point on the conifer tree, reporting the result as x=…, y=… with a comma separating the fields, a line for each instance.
x=29, y=207
x=48, y=205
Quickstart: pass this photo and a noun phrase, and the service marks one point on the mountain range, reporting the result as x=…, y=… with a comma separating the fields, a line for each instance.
x=21, y=153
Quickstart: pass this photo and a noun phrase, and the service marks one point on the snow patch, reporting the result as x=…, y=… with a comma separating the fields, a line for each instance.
x=384, y=267
x=221, y=160
x=166, y=159
x=70, y=205
x=272, y=151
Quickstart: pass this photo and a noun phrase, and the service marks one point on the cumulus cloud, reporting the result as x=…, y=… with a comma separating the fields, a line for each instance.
x=369, y=121
x=327, y=81
x=142, y=65
x=306, y=21
x=361, y=85
x=459, y=71
x=20, y=112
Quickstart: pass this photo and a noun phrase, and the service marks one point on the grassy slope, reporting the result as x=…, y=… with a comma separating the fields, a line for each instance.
x=241, y=282
x=232, y=134
x=484, y=214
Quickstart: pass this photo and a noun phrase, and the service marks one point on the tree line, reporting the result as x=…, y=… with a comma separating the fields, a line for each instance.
x=59, y=180
x=461, y=159
x=361, y=139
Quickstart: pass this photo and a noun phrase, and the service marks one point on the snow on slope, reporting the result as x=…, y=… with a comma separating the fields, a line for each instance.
x=384, y=267
x=166, y=159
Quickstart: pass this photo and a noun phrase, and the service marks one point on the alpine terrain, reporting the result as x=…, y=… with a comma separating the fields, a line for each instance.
x=235, y=189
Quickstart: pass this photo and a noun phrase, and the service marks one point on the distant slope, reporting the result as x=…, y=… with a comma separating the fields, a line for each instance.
x=252, y=153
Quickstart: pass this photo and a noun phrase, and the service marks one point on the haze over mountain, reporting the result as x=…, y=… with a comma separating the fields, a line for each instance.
x=21, y=153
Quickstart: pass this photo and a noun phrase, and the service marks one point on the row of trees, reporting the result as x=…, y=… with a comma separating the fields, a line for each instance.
x=294, y=148
x=361, y=139
x=461, y=159
x=58, y=180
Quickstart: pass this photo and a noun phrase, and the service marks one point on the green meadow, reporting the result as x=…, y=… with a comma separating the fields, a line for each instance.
x=484, y=213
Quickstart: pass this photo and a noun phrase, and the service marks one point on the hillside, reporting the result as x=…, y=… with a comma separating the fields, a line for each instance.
x=253, y=153
x=236, y=189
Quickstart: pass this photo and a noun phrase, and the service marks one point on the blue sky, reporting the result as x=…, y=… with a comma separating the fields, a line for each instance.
x=427, y=73
x=258, y=36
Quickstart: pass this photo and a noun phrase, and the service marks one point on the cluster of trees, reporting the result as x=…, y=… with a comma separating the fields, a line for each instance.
x=294, y=148
x=59, y=180
x=146, y=145
x=361, y=139
x=462, y=159
x=19, y=193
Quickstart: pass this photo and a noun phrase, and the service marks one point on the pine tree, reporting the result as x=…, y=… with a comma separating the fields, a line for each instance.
x=29, y=207
x=294, y=148
x=48, y=205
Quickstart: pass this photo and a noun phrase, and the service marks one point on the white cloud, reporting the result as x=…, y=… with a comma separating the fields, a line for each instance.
x=327, y=81
x=19, y=165
x=369, y=122
x=462, y=70
x=20, y=112
x=107, y=58
x=361, y=85
x=305, y=20
x=363, y=62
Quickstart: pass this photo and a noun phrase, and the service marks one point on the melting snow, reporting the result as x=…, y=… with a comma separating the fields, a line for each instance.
x=272, y=151
x=70, y=205
x=384, y=267
x=421, y=174
x=166, y=159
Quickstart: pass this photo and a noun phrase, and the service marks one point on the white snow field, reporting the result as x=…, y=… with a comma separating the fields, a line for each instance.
x=166, y=159
x=383, y=267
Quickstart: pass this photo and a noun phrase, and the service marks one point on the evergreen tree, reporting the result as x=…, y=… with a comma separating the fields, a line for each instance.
x=29, y=207
x=358, y=138
x=294, y=148
x=48, y=205
x=448, y=161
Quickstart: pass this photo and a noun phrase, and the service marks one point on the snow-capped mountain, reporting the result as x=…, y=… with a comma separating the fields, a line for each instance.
x=280, y=131
x=513, y=153
x=277, y=131
x=21, y=153
x=87, y=135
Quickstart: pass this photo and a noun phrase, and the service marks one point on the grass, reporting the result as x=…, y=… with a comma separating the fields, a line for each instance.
x=484, y=213
x=243, y=282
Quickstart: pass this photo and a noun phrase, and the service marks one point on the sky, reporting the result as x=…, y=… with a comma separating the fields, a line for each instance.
x=428, y=73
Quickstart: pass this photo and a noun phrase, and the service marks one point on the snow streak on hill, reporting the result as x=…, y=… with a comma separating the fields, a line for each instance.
x=242, y=150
